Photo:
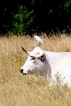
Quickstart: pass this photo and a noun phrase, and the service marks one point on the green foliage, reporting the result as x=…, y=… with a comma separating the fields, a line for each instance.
x=22, y=20
x=49, y=15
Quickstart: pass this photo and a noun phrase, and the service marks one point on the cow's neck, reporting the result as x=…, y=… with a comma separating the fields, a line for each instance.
x=50, y=60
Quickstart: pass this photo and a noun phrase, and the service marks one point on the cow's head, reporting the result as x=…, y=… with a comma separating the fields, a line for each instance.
x=34, y=62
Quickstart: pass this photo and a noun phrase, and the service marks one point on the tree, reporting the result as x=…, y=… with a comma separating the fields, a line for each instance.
x=42, y=15
x=22, y=20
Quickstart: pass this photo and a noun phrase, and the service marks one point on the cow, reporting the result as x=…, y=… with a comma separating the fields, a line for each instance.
x=55, y=66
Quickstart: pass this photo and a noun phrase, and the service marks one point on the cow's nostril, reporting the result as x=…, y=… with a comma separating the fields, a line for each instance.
x=21, y=70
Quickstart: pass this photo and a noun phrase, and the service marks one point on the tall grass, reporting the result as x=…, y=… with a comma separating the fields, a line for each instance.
x=19, y=90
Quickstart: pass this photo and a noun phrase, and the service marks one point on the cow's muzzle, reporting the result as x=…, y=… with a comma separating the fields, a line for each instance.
x=21, y=70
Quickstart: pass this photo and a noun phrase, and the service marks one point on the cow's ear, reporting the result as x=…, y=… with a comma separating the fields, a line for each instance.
x=42, y=58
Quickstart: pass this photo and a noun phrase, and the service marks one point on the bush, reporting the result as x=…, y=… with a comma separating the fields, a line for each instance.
x=22, y=20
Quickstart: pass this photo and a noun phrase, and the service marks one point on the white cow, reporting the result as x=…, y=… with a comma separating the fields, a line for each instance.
x=55, y=66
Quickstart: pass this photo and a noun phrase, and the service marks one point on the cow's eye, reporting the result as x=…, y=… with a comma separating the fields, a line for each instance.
x=33, y=58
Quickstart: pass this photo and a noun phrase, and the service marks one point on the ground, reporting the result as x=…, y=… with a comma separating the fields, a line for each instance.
x=19, y=90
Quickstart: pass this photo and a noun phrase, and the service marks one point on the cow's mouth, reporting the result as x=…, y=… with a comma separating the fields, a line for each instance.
x=24, y=73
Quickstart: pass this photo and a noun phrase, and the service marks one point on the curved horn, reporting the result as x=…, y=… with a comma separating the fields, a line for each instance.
x=25, y=50
x=39, y=54
x=38, y=39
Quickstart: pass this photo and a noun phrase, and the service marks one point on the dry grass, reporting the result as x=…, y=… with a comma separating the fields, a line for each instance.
x=19, y=90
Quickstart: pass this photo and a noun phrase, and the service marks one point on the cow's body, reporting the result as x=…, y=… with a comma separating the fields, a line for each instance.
x=60, y=66
x=56, y=66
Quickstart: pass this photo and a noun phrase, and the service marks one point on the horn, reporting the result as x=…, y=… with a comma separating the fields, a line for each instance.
x=39, y=54
x=25, y=50
x=38, y=39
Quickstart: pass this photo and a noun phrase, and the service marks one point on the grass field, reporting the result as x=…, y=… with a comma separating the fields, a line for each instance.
x=19, y=90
